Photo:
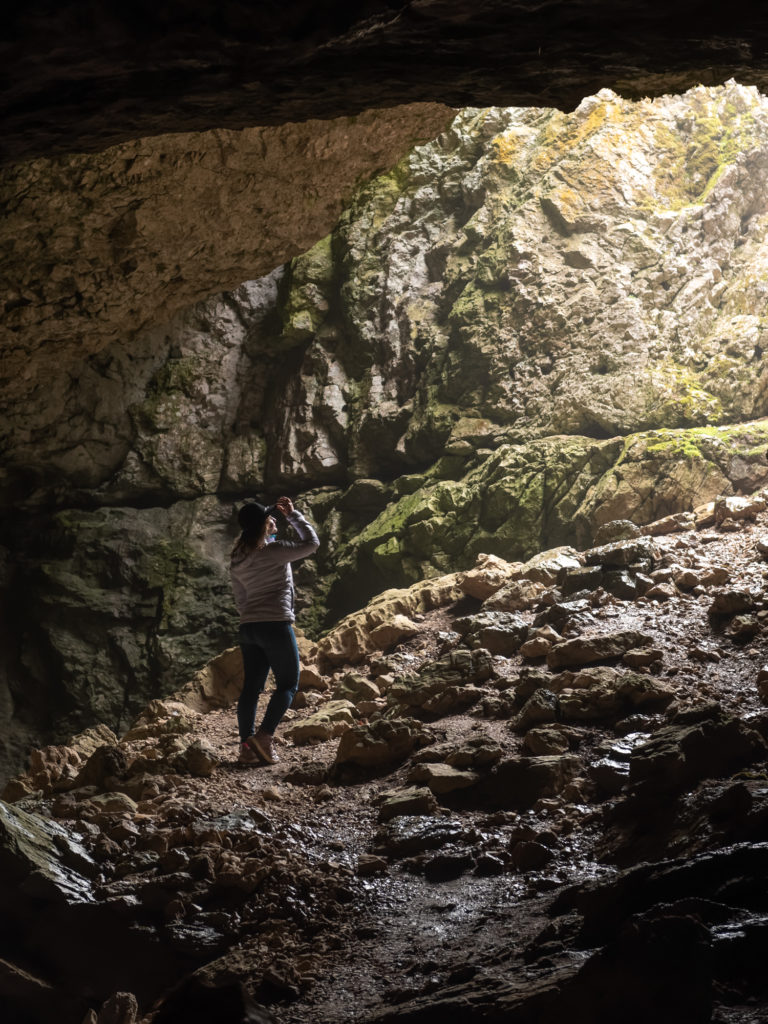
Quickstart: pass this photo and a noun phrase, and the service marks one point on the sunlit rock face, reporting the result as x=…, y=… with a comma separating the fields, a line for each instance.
x=534, y=325
x=96, y=247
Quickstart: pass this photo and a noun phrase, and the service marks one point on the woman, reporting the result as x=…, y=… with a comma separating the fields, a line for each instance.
x=263, y=584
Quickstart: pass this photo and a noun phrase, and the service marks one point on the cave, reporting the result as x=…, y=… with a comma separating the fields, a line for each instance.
x=481, y=289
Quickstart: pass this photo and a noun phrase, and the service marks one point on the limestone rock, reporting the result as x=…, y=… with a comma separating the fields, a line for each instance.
x=516, y=596
x=442, y=778
x=619, y=529
x=477, y=753
x=536, y=647
x=708, y=744
x=738, y=508
x=369, y=864
x=640, y=656
x=546, y=739
x=743, y=626
x=400, y=627
x=104, y=769
x=547, y=566
x=624, y=692
x=333, y=719
x=489, y=575
x=413, y=801
x=114, y=803
x=445, y=685
x=198, y=758
x=586, y=650
x=164, y=718
x=355, y=687
x=622, y=553
x=310, y=678
x=517, y=783
x=120, y=1008
x=678, y=522
x=351, y=640
x=43, y=858
x=382, y=741
x=731, y=602
x=529, y=856
x=497, y=632
x=542, y=706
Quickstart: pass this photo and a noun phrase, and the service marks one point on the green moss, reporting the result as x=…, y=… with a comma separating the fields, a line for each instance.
x=165, y=565
x=693, y=159
x=682, y=388
x=175, y=375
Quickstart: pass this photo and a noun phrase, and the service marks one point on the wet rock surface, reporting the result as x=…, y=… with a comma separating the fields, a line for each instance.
x=432, y=859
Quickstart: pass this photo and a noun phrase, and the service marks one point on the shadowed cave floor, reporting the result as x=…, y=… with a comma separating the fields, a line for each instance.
x=401, y=940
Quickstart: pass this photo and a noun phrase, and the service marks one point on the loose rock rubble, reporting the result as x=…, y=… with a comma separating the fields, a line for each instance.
x=526, y=809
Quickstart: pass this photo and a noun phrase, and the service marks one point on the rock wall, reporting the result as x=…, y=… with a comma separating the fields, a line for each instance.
x=533, y=325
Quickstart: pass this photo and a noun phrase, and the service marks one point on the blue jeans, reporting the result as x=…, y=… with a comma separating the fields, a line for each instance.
x=265, y=646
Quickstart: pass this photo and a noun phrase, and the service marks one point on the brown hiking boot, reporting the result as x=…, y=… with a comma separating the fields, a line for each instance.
x=264, y=747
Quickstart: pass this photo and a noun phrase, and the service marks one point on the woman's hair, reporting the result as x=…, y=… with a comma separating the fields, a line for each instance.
x=253, y=519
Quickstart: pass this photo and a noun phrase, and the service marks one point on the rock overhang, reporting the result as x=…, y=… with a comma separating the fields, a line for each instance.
x=80, y=77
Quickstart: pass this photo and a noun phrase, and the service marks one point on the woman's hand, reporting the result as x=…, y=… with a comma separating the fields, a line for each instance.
x=284, y=505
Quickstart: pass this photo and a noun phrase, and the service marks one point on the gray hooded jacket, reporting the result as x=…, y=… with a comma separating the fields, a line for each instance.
x=262, y=579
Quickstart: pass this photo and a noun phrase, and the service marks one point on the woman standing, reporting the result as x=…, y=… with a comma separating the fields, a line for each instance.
x=263, y=584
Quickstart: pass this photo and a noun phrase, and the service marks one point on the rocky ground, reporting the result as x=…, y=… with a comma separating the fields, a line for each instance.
x=518, y=792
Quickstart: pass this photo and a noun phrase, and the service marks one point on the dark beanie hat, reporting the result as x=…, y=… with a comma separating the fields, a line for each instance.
x=252, y=516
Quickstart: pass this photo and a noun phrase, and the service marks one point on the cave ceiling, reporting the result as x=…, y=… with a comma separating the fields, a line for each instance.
x=82, y=76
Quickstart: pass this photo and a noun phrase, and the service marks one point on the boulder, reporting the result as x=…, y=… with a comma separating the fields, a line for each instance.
x=442, y=778
x=355, y=687
x=583, y=577
x=166, y=717
x=616, y=530
x=715, y=576
x=311, y=678
x=489, y=575
x=548, y=566
x=619, y=694
x=586, y=650
x=478, y=752
x=443, y=686
x=333, y=719
x=197, y=758
x=104, y=769
x=413, y=801
x=622, y=553
x=389, y=633
x=731, y=602
x=700, y=744
x=639, y=657
x=678, y=522
x=379, y=742
x=384, y=621
x=542, y=706
x=498, y=632
x=739, y=508
x=546, y=739
x=516, y=783
x=515, y=596
x=536, y=647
